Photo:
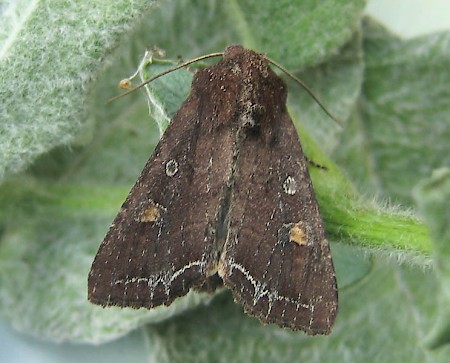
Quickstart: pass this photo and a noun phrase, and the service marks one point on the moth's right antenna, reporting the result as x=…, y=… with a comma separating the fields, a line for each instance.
x=306, y=88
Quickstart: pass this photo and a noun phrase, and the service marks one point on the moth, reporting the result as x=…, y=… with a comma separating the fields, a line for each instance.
x=226, y=198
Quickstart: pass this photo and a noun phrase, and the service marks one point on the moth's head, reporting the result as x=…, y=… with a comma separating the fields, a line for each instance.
x=235, y=50
x=246, y=63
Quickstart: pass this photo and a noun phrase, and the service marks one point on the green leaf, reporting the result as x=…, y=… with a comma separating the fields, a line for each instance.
x=50, y=55
x=296, y=31
x=400, y=130
x=54, y=216
x=432, y=196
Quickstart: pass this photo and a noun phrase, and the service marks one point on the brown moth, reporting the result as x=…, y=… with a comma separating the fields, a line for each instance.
x=225, y=196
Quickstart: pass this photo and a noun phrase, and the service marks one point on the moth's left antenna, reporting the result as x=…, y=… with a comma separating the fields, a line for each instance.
x=145, y=60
